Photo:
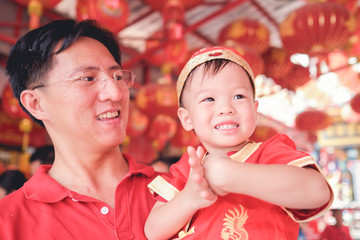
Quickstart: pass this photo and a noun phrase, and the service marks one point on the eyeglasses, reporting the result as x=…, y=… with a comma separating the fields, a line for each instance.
x=123, y=78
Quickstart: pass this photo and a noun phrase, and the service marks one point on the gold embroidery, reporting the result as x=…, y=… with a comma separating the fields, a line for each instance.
x=234, y=225
x=183, y=233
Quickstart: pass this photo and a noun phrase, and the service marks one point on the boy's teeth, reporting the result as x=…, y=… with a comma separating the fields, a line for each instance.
x=108, y=115
x=228, y=126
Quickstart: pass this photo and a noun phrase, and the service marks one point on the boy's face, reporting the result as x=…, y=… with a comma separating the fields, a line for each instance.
x=220, y=108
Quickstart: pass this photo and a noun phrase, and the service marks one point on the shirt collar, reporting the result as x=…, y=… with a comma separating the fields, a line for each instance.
x=41, y=187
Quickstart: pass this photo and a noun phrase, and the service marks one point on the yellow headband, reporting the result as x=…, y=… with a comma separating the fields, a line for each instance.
x=207, y=54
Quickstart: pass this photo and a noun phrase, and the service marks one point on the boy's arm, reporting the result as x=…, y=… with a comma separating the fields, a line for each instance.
x=283, y=185
x=166, y=219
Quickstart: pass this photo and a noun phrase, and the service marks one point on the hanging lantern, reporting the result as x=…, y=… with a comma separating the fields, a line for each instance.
x=138, y=121
x=252, y=57
x=112, y=14
x=350, y=5
x=247, y=32
x=159, y=4
x=155, y=98
x=263, y=133
x=355, y=103
x=11, y=105
x=35, y=10
x=173, y=55
x=312, y=120
x=185, y=138
x=278, y=63
x=317, y=28
x=297, y=77
x=162, y=128
x=173, y=16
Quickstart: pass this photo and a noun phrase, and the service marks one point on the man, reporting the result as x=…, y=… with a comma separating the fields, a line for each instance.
x=68, y=77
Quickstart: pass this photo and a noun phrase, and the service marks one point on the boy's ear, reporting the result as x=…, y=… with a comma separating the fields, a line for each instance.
x=185, y=120
x=30, y=100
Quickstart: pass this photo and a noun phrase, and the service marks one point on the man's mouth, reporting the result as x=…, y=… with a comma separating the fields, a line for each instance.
x=108, y=115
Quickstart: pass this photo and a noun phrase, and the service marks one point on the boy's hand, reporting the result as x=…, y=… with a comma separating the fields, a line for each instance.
x=216, y=168
x=197, y=187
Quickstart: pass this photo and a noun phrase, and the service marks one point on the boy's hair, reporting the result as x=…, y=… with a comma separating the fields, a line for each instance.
x=205, y=55
x=31, y=58
x=210, y=67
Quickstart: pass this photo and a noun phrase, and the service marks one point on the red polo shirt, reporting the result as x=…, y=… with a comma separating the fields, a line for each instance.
x=43, y=209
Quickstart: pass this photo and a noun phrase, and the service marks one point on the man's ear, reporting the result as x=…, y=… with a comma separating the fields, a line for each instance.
x=185, y=120
x=31, y=101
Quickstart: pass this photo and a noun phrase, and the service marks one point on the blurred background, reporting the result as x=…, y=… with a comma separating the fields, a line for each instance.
x=304, y=53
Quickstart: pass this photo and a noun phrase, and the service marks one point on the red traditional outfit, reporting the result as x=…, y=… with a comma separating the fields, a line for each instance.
x=238, y=216
x=43, y=209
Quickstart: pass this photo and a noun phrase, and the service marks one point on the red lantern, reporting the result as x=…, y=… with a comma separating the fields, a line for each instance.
x=355, y=103
x=185, y=138
x=138, y=121
x=317, y=28
x=112, y=14
x=155, y=98
x=159, y=4
x=252, y=57
x=278, y=63
x=162, y=128
x=298, y=77
x=11, y=105
x=174, y=54
x=35, y=9
x=247, y=32
x=312, y=120
x=263, y=133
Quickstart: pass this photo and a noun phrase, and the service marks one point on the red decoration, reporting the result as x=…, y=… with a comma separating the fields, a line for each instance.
x=247, y=32
x=317, y=28
x=112, y=14
x=162, y=128
x=35, y=10
x=252, y=57
x=278, y=63
x=296, y=78
x=159, y=4
x=11, y=105
x=155, y=98
x=313, y=120
x=174, y=54
x=185, y=138
x=263, y=133
x=355, y=103
x=138, y=121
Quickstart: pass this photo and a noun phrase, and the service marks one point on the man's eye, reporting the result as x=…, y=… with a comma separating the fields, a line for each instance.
x=88, y=78
x=118, y=77
x=239, y=97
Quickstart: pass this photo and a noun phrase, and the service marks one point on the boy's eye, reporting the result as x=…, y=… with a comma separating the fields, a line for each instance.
x=239, y=96
x=209, y=99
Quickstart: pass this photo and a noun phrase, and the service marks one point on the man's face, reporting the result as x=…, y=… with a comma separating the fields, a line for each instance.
x=95, y=113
